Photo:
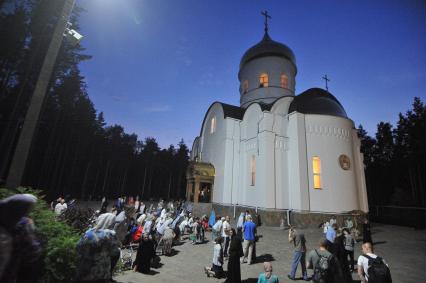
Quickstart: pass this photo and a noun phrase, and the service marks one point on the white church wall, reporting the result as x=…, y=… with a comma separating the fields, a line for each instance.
x=251, y=194
x=195, y=151
x=232, y=130
x=359, y=172
x=213, y=149
x=297, y=163
x=328, y=137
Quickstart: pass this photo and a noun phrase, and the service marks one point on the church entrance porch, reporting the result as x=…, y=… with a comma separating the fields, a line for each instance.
x=199, y=179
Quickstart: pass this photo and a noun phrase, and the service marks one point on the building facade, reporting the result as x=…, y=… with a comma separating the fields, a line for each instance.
x=277, y=150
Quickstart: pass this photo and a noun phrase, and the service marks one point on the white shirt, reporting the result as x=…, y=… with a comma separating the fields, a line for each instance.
x=225, y=226
x=59, y=208
x=216, y=255
x=363, y=261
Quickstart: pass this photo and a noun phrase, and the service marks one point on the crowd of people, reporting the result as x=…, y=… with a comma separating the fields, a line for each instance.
x=329, y=260
x=152, y=230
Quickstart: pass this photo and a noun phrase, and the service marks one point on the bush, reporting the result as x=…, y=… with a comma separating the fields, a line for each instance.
x=57, y=239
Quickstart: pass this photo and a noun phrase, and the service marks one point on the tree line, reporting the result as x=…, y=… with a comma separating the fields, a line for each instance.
x=74, y=152
x=395, y=159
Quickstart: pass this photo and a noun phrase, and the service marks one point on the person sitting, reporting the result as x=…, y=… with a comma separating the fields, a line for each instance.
x=216, y=270
x=144, y=255
x=267, y=276
x=99, y=251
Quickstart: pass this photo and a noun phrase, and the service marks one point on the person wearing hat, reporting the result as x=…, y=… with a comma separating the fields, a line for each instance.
x=99, y=251
x=19, y=250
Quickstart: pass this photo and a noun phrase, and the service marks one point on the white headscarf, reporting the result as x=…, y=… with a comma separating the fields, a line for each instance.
x=105, y=221
x=240, y=221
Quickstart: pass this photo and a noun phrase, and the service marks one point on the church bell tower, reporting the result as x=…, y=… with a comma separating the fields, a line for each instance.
x=267, y=71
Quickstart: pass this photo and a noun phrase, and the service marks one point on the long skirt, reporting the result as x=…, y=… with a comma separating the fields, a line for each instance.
x=234, y=270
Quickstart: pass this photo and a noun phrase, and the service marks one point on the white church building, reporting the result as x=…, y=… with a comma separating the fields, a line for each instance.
x=277, y=151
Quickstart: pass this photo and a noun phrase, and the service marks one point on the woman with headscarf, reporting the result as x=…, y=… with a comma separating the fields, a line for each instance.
x=99, y=251
x=240, y=224
x=167, y=240
x=19, y=250
x=267, y=276
x=144, y=255
x=235, y=252
x=212, y=219
x=216, y=269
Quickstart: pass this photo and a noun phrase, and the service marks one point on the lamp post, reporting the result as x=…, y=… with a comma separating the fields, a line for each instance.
x=20, y=157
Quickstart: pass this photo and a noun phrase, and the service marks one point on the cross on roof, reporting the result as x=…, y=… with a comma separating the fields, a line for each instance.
x=326, y=79
x=265, y=13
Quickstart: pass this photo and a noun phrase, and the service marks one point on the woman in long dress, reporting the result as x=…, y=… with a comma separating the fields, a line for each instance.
x=235, y=252
x=144, y=255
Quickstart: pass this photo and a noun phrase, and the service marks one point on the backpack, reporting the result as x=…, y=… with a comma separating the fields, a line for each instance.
x=322, y=272
x=378, y=271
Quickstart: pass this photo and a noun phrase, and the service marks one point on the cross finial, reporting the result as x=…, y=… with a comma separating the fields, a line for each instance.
x=326, y=79
x=265, y=13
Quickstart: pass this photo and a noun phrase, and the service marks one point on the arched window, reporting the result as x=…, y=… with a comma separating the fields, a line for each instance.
x=316, y=169
x=263, y=80
x=253, y=170
x=284, y=81
x=213, y=125
x=245, y=86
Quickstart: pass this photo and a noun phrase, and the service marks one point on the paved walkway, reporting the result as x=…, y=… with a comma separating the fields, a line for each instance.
x=403, y=248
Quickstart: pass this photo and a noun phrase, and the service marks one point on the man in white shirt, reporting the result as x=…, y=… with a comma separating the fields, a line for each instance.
x=60, y=207
x=226, y=227
x=363, y=266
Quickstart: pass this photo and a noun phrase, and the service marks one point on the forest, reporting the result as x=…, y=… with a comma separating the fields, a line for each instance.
x=74, y=152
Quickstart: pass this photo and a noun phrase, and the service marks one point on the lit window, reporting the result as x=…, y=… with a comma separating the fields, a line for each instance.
x=316, y=168
x=245, y=86
x=213, y=125
x=253, y=170
x=284, y=81
x=263, y=80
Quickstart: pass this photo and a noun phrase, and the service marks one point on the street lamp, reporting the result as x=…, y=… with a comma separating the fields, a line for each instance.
x=20, y=157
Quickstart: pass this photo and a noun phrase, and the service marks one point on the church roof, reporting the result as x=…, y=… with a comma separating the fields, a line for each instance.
x=268, y=47
x=232, y=111
x=317, y=101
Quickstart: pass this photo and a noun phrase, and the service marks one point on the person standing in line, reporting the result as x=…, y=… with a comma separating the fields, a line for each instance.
x=226, y=227
x=372, y=268
x=349, y=247
x=267, y=276
x=249, y=231
x=240, y=224
x=235, y=252
x=330, y=236
x=366, y=232
x=299, y=242
x=326, y=266
x=341, y=256
x=217, y=227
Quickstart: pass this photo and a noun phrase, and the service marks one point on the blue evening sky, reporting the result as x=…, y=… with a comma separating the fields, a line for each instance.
x=158, y=65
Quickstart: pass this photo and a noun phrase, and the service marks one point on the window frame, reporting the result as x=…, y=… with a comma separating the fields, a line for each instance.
x=213, y=125
x=284, y=78
x=316, y=173
x=253, y=171
x=264, y=80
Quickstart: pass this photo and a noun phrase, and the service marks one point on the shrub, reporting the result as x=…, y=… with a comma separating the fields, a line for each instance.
x=57, y=239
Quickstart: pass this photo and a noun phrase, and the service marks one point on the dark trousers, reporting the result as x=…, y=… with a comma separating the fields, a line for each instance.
x=351, y=256
x=225, y=249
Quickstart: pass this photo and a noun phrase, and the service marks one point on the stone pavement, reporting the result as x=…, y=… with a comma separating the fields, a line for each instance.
x=403, y=248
